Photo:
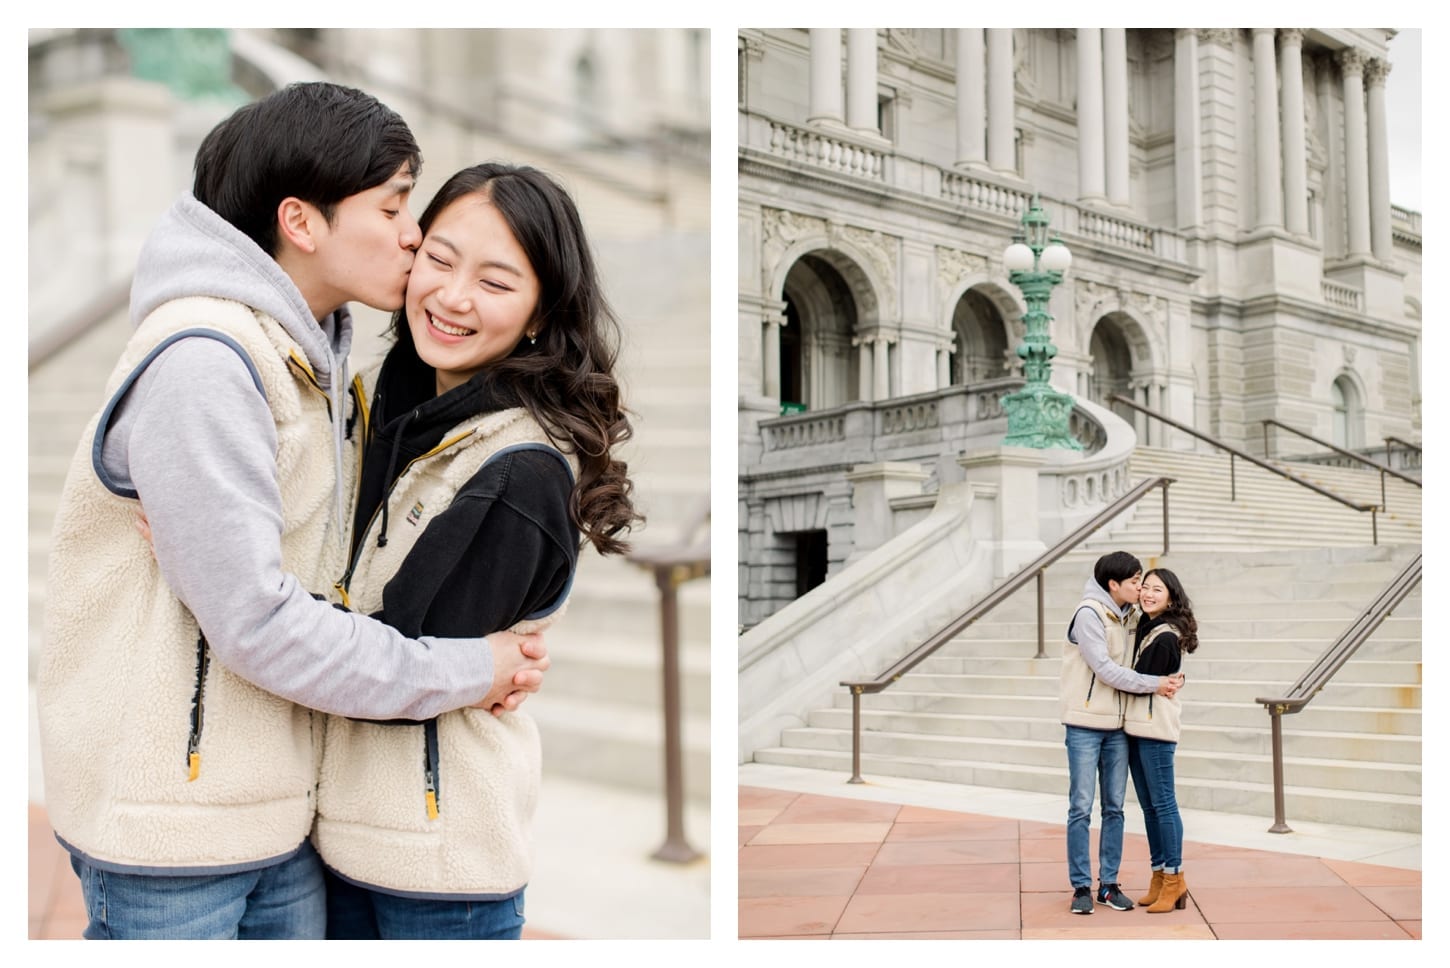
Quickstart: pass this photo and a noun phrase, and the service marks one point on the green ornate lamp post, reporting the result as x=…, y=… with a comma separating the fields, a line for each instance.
x=1037, y=415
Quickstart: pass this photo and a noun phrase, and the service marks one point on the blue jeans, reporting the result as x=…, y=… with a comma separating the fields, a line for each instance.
x=285, y=900
x=1151, y=762
x=1093, y=756
x=355, y=913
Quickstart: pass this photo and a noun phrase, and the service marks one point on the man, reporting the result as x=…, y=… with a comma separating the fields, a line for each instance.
x=179, y=773
x=1092, y=678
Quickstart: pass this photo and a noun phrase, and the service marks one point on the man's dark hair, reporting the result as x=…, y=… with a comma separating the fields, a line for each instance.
x=317, y=141
x=1118, y=566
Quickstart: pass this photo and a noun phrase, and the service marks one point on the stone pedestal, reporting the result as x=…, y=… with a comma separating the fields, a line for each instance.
x=873, y=486
x=1005, y=511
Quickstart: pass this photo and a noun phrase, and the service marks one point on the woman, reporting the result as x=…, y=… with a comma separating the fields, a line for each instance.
x=486, y=437
x=1166, y=631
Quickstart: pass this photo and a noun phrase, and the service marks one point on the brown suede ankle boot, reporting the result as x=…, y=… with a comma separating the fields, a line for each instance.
x=1153, y=889
x=1174, y=894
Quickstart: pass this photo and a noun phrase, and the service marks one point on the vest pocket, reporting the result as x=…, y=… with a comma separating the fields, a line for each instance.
x=198, y=709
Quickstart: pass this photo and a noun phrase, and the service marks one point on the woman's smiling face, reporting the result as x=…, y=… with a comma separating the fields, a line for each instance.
x=472, y=293
x=1153, y=596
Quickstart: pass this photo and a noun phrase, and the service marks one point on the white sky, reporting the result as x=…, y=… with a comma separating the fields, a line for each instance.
x=1402, y=105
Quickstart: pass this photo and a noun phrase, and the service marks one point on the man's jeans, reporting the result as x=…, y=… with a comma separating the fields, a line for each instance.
x=357, y=913
x=1095, y=755
x=285, y=900
x=1151, y=763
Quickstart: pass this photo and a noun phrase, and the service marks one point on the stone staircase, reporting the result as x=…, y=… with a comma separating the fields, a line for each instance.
x=1273, y=586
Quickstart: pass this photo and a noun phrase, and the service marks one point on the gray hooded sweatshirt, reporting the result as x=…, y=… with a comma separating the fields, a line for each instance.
x=196, y=439
x=1087, y=633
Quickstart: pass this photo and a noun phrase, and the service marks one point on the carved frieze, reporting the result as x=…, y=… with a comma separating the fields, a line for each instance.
x=880, y=249
x=954, y=265
x=780, y=230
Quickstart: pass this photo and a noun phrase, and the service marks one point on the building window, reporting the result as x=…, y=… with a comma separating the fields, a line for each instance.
x=810, y=560
x=1348, y=413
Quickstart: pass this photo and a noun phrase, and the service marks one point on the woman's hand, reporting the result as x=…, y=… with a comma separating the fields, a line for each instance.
x=519, y=664
x=1168, y=685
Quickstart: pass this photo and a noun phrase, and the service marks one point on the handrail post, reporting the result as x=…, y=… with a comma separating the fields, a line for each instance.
x=676, y=848
x=855, y=736
x=1041, y=612
x=1276, y=722
x=1233, y=490
x=1267, y=455
x=1384, y=504
x=1165, y=518
x=1374, y=524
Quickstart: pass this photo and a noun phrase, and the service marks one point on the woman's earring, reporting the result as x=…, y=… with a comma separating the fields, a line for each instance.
x=533, y=338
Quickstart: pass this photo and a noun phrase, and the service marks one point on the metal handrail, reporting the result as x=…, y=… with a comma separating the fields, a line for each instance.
x=1384, y=505
x=998, y=595
x=1403, y=443
x=1233, y=452
x=686, y=559
x=1317, y=676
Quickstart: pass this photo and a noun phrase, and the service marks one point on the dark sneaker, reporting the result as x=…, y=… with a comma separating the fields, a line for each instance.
x=1110, y=895
x=1082, y=901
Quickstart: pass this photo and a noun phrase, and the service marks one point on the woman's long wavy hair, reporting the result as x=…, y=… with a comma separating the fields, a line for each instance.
x=1179, y=612
x=565, y=377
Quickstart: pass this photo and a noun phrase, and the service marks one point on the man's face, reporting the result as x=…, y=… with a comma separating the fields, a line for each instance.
x=365, y=254
x=1126, y=592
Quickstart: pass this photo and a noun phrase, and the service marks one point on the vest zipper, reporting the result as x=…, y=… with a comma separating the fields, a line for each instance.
x=431, y=773
x=311, y=379
x=344, y=583
x=198, y=709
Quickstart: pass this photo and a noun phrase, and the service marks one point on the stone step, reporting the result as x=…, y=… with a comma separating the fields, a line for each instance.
x=1210, y=630
x=629, y=671
x=614, y=743
x=1351, y=776
x=1259, y=680
x=1384, y=811
x=1319, y=715
x=1197, y=737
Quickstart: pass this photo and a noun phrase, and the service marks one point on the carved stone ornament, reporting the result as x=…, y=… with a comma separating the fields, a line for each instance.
x=781, y=230
x=1351, y=61
x=954, y=265
x=1376, y=71
x=1222, y=36
x=1087, y=295
x=881, y=250
x=1291, y=36
x=1348, y=355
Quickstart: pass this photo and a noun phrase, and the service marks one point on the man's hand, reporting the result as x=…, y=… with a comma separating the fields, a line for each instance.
x=519, y=664
x=1168, y=685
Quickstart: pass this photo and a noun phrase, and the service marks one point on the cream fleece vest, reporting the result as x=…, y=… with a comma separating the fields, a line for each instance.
x=121, y=668
x=1152, y=716
x=377, y=822
x=1085, y=701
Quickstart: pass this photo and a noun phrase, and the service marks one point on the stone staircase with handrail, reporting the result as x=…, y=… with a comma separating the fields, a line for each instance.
x=1274, y=577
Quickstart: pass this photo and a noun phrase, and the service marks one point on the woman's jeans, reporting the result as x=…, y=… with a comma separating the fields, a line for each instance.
x=282, y=901
x=1095, y=755
x=1151, y=763
x=358, y=913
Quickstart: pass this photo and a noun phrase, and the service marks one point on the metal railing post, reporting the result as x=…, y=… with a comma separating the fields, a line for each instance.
x=676, y=848
x=1165, y=518
x=855, y=736
x=1374, y=523
x=1041, y=613
x=1276, y=722
x=1233, y=490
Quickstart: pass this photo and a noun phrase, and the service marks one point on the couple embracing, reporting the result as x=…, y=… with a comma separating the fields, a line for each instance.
x=290, y=614
x=1118, y=698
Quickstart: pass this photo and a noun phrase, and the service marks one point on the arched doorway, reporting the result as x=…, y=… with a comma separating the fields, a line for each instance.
x=981, y=350
x=1112, y=365
x=818, y=367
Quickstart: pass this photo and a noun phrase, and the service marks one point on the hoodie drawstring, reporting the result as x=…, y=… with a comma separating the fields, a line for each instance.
x=393, y=463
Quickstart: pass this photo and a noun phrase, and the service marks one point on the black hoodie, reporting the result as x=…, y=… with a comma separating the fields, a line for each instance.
x=503, y=549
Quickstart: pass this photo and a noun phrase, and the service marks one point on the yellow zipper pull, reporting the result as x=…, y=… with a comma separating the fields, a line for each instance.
x=195, y=760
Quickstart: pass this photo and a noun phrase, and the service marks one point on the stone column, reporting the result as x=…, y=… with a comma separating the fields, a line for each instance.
x=770, y=354
x=971, y=97
x=863, y=367
x=944, y=366
x=1155, y=403
x=1356, y=159
x=1115, y=112
x=1267, y=175
x=825, y=75
x=1187, y=139
x=1381, y=242
x=1001, y=101
x=881, y=384
x=1089, y=113
x=861, y=79
x=1291, y=100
